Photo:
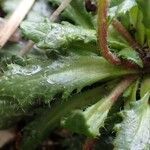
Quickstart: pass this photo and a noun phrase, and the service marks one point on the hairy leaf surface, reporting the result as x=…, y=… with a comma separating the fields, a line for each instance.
x=134, y=131
x=132, y=55
x=90, y=119
x=58, y=36
x=39, y=129
x=46, y=78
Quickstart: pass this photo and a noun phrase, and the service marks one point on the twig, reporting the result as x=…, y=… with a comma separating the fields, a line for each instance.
x=58, y=11
x=27, y=48
x=103, y=33
x=15, y=20
x=121, y=87
x=6, y=136
x=16, y=36
x=124, y=32
x=53, y=18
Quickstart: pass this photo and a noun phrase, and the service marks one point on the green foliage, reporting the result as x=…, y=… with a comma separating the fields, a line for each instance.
x=44, y=78
x=77, y=13
x=33, y=136
x=121, y=8
x=58, y=36
x=145, y=86
x=131, y=93
x=115, y=40
x=59, y=76
x=133, y=132
x=10, y=113
x=91, y=119
x=132, y=55
x=144, y=6
x=64, y=71
x=136, y=20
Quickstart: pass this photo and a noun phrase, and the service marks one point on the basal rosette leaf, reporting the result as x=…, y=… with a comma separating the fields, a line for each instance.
x=62, y=36
x=46, y=78
x=58, y=36
x=134, y=132
x=89, y=121
x=42, y=79
x=39, y=129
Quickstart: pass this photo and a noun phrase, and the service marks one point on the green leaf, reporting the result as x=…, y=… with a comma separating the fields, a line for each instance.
x=115, y=40
x=115, y=2
x=43, y=79
x=10, y=113
x=144, y=6
x=10, y=50
x=133, y=132
x=136, y=18
x=58, y=36
x=89, y=121
x=139, y=26
x=145, y=85
x=40, y=128
x=76, y=12
x=132, y=55
x=122, y=8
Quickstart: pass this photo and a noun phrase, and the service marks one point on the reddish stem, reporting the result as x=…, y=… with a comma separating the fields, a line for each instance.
x=103, y=33
x=124, y=32
x=121, y=87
